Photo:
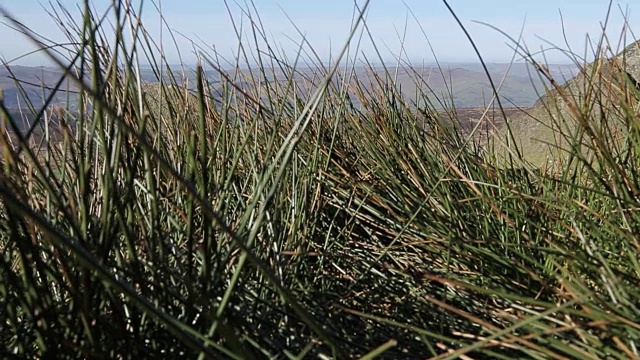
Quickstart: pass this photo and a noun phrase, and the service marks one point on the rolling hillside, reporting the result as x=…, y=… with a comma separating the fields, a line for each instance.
x=598, y=97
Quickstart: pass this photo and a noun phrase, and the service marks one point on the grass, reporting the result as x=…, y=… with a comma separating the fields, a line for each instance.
x=274, y=222
x=596, y=106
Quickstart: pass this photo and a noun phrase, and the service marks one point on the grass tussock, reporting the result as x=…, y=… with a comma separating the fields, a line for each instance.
x=320, y=215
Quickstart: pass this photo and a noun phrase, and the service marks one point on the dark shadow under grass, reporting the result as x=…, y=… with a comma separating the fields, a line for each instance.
x=269, y=221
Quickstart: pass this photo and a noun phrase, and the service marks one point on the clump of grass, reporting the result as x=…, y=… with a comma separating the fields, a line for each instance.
x=252, y=218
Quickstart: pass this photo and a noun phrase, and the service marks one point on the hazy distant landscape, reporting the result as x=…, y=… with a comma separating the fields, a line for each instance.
x=459, y=85
x=302, y=213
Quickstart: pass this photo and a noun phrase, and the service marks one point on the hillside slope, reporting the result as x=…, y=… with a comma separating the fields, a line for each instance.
x=596, y=99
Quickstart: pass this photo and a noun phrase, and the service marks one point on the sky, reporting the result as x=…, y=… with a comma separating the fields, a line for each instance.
x=420, y=30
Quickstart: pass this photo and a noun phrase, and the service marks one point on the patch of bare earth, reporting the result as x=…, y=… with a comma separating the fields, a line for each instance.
x=489, y=120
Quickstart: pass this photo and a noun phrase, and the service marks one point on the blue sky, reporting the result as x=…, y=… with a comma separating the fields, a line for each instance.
x=326, y=24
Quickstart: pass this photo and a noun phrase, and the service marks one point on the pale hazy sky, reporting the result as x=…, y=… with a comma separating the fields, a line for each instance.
x=326, y=25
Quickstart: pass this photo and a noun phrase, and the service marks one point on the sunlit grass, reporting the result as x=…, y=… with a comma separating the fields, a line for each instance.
x=300, y=218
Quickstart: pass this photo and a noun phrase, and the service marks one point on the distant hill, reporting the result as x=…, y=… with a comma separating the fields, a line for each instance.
x=464, y=85
x=467, y=85
x=467, y=82
x=604, y=82
x=34, y=81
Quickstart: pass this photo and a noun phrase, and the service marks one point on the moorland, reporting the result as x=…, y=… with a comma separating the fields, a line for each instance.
x=316, y=213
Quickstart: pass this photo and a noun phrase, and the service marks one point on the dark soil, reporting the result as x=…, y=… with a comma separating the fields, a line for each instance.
x=468, y=118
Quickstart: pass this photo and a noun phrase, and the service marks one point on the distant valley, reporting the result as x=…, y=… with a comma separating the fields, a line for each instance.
x=464, y=85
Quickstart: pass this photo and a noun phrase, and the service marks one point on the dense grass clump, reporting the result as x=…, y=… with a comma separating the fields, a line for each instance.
x=320, y=215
